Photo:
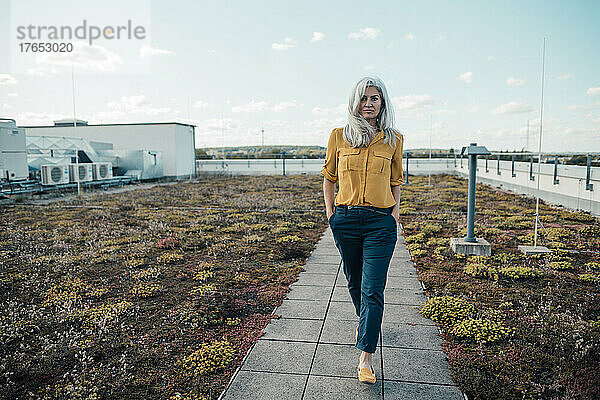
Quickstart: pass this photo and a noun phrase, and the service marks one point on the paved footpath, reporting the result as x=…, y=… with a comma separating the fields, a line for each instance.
x=309, y=352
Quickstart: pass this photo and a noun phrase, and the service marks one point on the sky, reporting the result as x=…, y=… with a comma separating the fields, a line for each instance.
x=456, y=72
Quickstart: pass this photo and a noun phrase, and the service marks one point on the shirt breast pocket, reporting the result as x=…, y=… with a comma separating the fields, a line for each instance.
x=350, y=160
x=382, y=162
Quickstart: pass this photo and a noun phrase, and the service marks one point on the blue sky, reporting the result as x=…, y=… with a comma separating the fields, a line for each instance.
x=457, y=72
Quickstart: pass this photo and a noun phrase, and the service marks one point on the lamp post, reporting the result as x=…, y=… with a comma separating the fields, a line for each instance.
x=472, y=151
x=470, y=245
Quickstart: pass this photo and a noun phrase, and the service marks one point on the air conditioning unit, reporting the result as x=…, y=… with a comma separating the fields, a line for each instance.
x=55, y=174
x=102, y=170
x=8, y=174
x=81, y=172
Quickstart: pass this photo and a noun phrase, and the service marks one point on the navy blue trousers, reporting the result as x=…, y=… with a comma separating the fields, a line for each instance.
x=366, y=239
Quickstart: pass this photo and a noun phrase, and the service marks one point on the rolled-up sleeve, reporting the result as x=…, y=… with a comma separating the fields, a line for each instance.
x=397, y=173
x=329, y=170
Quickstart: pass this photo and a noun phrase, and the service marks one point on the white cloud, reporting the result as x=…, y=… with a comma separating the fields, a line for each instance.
x=276, y=123
x=413, y=102
x=13, y=94
x=587, y=133
x=317, y=36
x=324, y=123
x=466, y=77
x=6, y=79
x=364, y=33
x=83, y=56
x=563, y=77
x=583, y=106
x=474, y=109
x=33, y=118
x=513, y=107
x=288, y=43
x=409, y=36
x=201, y=104
x=369, y=67
x=593, y=91
x=252, y=107
x=137, y=105
x=148, y=51
x=41, y=72
x=445, y=111
x=263, y=106
x=217, y=132
x=515, y=82
x=438, y=39
x=211, y=51
x=490, y=58
x=284, y=105
x=340, y=109
x=6, y=106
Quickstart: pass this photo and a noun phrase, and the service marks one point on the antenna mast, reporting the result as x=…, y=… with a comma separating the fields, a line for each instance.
x=537, y=203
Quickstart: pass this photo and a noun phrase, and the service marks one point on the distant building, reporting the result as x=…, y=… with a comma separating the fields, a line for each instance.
x=175, y=140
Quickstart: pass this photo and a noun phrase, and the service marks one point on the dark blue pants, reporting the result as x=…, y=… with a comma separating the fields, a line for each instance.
x=366, y=239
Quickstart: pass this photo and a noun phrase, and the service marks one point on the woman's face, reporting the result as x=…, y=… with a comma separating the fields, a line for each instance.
x=370, y=104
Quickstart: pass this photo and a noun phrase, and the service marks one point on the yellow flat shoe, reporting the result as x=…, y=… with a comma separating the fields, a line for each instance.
x=366, y=375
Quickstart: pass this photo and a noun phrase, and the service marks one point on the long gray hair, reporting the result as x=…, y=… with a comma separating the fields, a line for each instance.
x=358, y=130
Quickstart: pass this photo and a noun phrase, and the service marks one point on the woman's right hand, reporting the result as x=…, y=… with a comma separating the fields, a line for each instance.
x=330, y=213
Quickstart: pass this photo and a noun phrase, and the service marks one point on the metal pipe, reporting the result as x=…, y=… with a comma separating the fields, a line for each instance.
x=407, y=157
x=498, y=165
x=512, y=166
x=471, y=200
x=588, y=185
x=555, y=180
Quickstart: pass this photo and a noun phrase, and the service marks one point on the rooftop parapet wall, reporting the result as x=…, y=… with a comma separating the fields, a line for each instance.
x=569, y=190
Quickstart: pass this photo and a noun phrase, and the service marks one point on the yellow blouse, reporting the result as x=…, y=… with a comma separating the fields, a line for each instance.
x=366, y=174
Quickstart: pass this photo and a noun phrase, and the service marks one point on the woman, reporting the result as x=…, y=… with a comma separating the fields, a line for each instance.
x=365, y=158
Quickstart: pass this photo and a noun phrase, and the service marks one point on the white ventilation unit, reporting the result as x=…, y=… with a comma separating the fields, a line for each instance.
x=55, y=174
x=81, y=172
x=102, y=170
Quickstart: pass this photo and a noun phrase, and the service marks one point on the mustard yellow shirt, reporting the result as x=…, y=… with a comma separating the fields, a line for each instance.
x=365, y=175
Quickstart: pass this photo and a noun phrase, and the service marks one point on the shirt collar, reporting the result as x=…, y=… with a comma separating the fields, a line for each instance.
x=379, y=136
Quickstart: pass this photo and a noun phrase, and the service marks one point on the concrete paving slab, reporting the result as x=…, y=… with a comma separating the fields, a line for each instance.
x=394, y=313
x=309, y=278
x=306, y=309
x=280, y=356
x=307, y=292
x=338, y=331
x=403, y=272
x=265, y=386
x=407, y=335
x=341, y=360
x=293, y=329
x=402, y=335
x=403, y=282
x=322, y=268
x=393, y=281
x=413, y=297
x=419, y=391
x=401, y=313
x=330, y=258
x=337, y=388
x=413, y=365
x=340, y=293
